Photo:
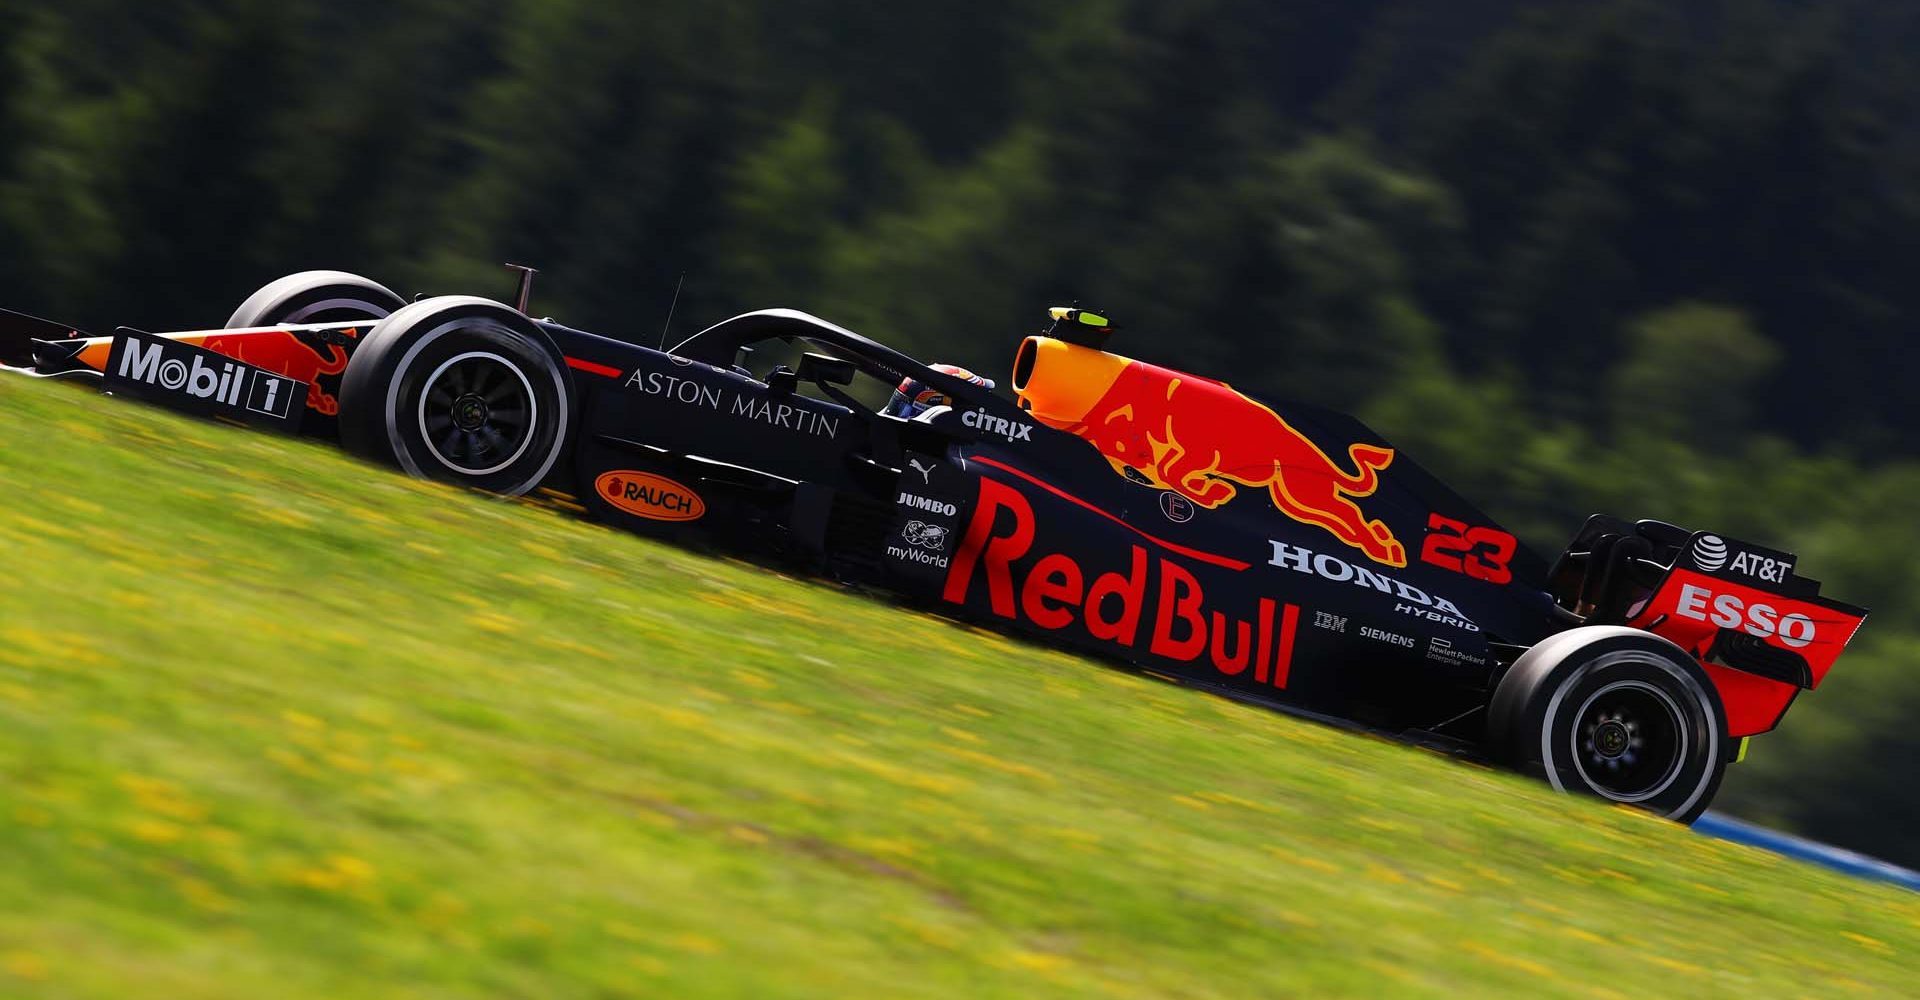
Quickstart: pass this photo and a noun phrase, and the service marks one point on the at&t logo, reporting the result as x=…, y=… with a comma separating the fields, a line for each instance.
x=1709, y=553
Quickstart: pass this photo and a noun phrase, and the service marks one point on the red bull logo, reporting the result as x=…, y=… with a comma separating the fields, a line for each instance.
x=1202, y=440
x=285, y=352
x=1157, y=603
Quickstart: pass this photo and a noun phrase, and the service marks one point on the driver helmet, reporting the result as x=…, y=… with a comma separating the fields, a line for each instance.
x=915, y=397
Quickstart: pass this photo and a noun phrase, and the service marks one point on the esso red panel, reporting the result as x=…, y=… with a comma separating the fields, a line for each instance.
x=1695, y=606
x=1754, y=704
x=1691, y=608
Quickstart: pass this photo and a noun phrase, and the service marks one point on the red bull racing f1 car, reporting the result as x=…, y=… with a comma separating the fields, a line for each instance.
x=1275, y=552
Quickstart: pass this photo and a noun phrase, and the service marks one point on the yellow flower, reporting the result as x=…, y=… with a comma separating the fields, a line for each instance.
x=24, y=965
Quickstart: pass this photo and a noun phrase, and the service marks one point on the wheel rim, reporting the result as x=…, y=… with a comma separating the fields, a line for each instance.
x=1630, y=741
x=477, y=413
x=332, y=310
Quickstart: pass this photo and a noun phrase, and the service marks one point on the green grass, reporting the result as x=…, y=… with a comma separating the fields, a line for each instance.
x=276, y=724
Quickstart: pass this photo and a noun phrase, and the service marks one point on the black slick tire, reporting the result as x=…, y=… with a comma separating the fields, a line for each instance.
x=459, y=389
x=1616, y=713
x=315, y=297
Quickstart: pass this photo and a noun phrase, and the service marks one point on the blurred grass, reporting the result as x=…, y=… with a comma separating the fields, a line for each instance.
x=273, y=723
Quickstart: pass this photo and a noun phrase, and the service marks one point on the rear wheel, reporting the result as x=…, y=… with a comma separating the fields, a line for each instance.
x=315, y=297
x=459, y=389
x=1617, y=713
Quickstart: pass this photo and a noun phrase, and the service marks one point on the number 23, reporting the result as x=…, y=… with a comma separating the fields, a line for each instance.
x=1481, y=553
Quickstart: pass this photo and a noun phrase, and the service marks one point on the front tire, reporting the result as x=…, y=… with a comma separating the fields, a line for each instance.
x=459, y=389
x=315, y=297
x=1616, y=713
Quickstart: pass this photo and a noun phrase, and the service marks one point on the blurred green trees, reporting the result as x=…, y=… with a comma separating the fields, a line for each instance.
x=1652, y=258
x=1691, y=373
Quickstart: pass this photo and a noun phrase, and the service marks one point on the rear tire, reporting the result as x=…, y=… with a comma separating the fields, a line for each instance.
x=1616, y=713
x=315, y=297
x=459, y=389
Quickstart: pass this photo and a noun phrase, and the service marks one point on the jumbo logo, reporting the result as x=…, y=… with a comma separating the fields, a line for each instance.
x=1198, y=438
x=644, y=494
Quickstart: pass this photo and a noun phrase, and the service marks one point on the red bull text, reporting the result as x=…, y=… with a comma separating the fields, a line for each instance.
x=1055, y=592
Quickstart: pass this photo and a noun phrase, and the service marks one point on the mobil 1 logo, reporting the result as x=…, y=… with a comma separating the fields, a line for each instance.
x=199, y=381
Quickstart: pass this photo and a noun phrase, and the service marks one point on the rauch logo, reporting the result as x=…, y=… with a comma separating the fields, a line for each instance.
x=644, y=494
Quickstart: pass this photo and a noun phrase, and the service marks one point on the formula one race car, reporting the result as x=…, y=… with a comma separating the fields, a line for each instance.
x=1274, y=552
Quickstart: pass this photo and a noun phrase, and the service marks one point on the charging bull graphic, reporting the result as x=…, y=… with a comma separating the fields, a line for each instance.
x=1198, y=438
x=303, y=358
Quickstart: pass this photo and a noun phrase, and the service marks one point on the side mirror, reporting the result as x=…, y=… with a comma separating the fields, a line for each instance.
x=826, y=369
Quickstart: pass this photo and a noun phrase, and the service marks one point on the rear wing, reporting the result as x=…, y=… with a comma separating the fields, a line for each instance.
x=1741, y=605
x=1762, y=632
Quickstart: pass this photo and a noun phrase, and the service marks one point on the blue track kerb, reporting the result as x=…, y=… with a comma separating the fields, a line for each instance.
x=1725, y=827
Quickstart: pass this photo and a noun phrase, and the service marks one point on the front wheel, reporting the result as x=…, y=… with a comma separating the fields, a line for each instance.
x=315, y=297
x=459, y=389
x=1617, y=713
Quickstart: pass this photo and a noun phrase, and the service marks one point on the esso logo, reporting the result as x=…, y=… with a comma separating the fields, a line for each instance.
x=1729, y=611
